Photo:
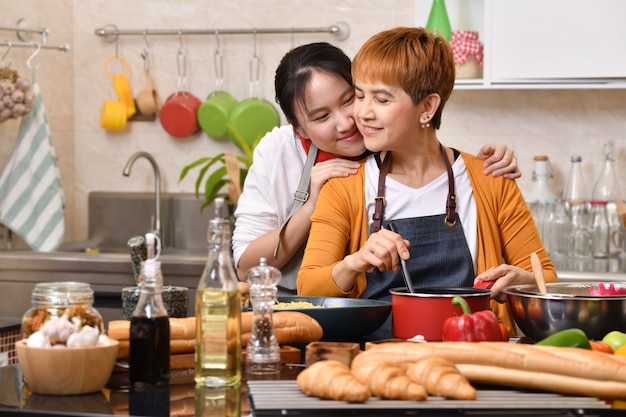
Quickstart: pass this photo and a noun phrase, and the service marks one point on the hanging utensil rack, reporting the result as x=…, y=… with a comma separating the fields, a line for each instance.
x=340, y=30
x=59, y=46
x=23, y=32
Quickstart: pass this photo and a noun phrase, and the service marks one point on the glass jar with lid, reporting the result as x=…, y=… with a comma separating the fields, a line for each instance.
x=51, y=300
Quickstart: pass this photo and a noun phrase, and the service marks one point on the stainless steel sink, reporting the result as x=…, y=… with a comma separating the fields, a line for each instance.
x=103, y=260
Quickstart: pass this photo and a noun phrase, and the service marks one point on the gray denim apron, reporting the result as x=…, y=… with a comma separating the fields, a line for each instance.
x=439, y=255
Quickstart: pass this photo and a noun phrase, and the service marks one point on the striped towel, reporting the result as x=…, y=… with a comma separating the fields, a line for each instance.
x=31, y=195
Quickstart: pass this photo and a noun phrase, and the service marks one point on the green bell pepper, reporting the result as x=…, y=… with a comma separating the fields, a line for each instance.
x=567, y=338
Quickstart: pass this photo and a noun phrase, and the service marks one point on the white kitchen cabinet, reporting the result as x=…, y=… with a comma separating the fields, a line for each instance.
x=543, y=43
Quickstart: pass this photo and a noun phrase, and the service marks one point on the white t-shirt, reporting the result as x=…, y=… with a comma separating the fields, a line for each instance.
x=428, y=200
x=270, y=184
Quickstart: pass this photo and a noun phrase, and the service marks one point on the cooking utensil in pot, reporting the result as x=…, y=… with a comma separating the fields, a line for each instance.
x=405, y=270
x=254, y=117
x=566, y=306
x=424, y=311
x=179, y=115
x=214, y=113
x=538, y=271
x=343, y=319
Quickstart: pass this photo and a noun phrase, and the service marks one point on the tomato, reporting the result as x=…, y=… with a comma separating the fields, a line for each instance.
x=600, y=346
x=484, y=284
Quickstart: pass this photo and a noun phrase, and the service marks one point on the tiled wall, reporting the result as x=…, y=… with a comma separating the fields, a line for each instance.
x=74, y=85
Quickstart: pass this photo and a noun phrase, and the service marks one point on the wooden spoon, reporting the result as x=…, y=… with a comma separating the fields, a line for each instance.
x=621, y=210
x=538, y=271
x=232, y=167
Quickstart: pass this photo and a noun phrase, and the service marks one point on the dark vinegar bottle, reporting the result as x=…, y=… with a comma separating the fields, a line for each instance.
x=150, y=329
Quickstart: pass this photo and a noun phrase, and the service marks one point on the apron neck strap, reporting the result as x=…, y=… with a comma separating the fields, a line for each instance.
x=380, y=202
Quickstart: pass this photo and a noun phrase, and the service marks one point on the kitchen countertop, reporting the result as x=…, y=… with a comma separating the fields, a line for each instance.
x=277, y=395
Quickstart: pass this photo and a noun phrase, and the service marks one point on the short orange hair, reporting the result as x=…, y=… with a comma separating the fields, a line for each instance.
x=419, y=62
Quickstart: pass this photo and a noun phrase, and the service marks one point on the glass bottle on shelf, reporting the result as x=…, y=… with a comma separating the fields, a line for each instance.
x=557, y=231
x=263, y=351
x=608, y=188
x=542, y=172
x=438, y=21
x=149, y=358
x=575, y=190
x=541, y=190
x=218, y=309
x=600, y=230
x=581, y=231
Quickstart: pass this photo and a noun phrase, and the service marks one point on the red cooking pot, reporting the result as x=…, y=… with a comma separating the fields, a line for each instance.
x=179, y=114
x=424, y=311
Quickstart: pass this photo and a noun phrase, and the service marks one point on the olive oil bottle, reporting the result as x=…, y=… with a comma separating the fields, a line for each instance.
x=218, y=309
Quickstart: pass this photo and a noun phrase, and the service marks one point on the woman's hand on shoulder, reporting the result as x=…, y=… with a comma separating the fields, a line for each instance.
x=500, y=160
x=504, y=275
x=323, y=171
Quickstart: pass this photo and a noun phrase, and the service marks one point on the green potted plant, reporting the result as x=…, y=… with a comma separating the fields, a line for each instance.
x=211, y=184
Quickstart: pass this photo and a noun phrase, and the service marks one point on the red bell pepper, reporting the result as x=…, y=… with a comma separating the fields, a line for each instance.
x=478, y=327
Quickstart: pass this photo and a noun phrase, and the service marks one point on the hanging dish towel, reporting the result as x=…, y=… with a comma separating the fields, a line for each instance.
x=31, y=196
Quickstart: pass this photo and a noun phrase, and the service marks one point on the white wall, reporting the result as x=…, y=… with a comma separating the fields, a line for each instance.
x=74, y=85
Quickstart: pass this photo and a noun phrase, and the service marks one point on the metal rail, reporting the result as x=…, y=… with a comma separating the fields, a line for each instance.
x=340, y=30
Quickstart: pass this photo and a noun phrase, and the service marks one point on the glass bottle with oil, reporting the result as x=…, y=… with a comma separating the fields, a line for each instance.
x=218, y=309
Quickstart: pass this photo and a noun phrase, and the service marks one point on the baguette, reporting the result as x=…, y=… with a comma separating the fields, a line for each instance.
x=563, y=384
x=180, y=328
x=573, y=362
x=176, y=346
x=289, y=327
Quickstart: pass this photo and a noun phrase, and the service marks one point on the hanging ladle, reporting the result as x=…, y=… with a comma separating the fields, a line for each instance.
x=405, y=270
x=538, y=271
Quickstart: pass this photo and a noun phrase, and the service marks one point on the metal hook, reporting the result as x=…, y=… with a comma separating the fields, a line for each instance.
x=34, y=54
x=219, y=64
x=117, y=43
x=181, y=63
x=217, y=41
x=146, y=52
x=10, y=46
x=254, y=40
x=180, y=38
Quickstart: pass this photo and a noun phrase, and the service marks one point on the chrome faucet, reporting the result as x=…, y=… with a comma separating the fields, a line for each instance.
x=156, y=226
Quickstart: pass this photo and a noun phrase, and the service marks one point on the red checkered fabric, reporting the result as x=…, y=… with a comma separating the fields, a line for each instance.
x=464, y=44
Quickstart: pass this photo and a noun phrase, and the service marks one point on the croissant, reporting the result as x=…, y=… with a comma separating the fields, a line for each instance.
x=441, y=377
x=332, y=380
x=389, y=381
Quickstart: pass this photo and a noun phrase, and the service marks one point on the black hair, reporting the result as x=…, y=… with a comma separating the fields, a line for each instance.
x=295, y=69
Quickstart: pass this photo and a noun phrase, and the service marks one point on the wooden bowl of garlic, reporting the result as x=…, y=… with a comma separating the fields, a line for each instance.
x=62, y=370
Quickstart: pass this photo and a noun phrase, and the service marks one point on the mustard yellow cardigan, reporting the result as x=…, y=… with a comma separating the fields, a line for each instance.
x=506, y=232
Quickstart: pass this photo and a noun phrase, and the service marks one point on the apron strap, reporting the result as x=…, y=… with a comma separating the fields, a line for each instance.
x=450, y=219
x=379, y=206
x=380, y=202
x=302, y=194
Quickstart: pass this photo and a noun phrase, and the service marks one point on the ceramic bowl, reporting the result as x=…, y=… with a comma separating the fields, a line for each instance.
x=66, y=371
